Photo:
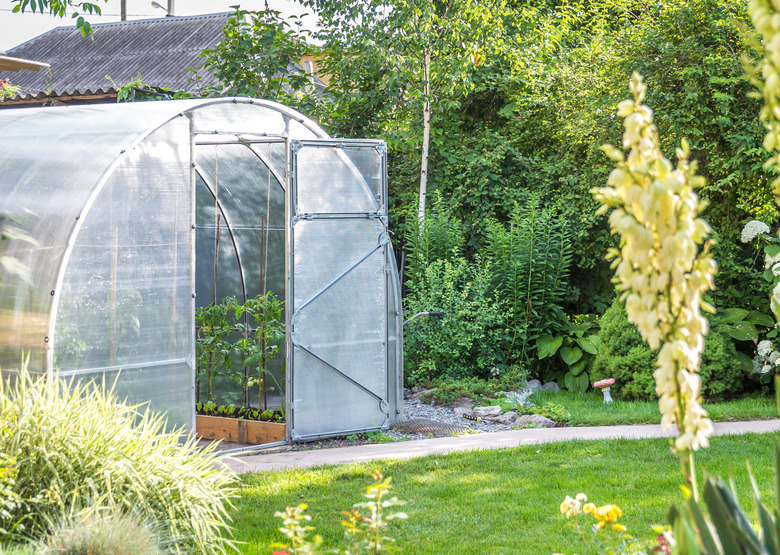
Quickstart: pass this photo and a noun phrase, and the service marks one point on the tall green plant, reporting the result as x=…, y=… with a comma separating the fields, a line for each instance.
x=529, y=264
x=214, y=324
x=262, y=330
x=440, y=236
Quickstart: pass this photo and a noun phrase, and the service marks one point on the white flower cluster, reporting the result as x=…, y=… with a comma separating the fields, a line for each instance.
x=659, y=269
x=766, y=18
x=753, y=229
x=766, y=359
x=571, y=507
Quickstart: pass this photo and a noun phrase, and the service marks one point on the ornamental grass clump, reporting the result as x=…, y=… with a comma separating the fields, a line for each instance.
x=659, y=268
x=71, y=448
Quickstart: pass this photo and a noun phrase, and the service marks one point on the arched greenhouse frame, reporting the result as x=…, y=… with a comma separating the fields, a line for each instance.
x=120, y=221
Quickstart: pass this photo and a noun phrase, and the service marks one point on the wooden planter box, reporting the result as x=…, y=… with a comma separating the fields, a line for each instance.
x=239, y=431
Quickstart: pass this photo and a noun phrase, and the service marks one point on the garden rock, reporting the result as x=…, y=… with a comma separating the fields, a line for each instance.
x=534, y=420
x=552, y=386
x=534, y=385
x=463, y=403
x=463, y=411
x=485, y=412
x=508, y=418
x=419, y=394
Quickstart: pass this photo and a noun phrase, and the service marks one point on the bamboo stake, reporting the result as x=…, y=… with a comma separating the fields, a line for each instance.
x=112, y=301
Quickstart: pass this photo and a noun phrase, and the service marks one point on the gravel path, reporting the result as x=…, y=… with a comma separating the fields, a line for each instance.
x=414, y=409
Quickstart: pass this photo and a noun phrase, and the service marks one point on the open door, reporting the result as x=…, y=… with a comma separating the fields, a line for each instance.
x=338, y=375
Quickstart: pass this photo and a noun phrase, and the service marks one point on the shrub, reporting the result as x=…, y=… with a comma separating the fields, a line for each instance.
x=448, y=391
x=625, y=357
x=466, y=341
x=74, y=446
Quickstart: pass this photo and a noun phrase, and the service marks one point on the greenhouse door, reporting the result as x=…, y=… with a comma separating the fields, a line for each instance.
x=337, y=294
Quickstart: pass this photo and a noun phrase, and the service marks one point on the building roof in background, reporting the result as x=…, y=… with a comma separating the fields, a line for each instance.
x=160, y=50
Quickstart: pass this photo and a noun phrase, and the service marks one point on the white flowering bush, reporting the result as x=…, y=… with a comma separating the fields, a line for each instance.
x=659, y=268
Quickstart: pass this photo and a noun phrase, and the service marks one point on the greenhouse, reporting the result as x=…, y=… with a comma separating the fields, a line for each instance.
x=122, y=223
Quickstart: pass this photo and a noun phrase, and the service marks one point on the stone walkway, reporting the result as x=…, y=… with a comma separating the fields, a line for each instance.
x=270, y=460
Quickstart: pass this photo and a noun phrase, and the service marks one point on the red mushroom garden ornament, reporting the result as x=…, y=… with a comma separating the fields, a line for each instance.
x=604, y=385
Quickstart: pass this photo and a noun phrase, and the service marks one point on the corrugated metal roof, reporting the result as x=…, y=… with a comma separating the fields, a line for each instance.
x=160, y=50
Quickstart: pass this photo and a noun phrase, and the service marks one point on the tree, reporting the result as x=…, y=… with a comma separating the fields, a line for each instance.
x=61, y=8
x=392, y=58
x=258, y=57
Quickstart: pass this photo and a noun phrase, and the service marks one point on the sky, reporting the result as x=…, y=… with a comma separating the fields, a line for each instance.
x=16, y=28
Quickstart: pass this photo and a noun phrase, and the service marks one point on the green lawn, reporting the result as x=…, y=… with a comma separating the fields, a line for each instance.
x=588, y=409
x=503, y=501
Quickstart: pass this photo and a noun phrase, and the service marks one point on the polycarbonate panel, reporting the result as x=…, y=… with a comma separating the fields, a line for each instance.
x=276, y=155
x=168, y=386
x=50, y=162
x=337, y=180
x=354, y=339
x=127, y=294
x=239, y=117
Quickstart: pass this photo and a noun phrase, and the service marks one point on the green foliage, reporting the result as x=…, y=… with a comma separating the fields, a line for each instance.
x=214, y=324
x=553, y=411
x=626, y=358
x=250, y=333
x=75, y=449
x=7, y=90
x=529, y=263
x=245, y=413
x=577, y=346
x=440, y=236
x=372, y=437
x=728, y=529
x=467, y=340
x=259, y=321
x=365, y=531
x=60, y=8
x=258, y=57
x=495, y=306
x=448, y=390
x=527, y=115
x=101, y=532
x=138, y=91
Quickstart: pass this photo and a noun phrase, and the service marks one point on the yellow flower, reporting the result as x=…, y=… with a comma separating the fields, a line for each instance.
x=589, y=508
x=618, y=528
x=608, y=513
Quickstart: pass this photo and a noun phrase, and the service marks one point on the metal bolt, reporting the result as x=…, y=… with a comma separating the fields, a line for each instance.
x=52, y=293
x=194, y=295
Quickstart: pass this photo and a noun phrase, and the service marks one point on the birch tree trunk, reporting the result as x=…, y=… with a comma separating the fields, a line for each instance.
x=426, y=132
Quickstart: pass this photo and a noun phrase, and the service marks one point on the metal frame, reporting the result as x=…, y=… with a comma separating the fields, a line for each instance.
x=293, y=216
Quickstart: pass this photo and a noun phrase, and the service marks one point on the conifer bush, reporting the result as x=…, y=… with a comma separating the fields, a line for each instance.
x=627, y=358
x=72, y=448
